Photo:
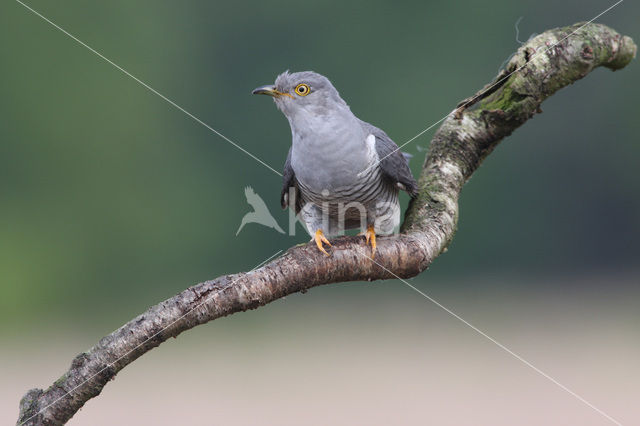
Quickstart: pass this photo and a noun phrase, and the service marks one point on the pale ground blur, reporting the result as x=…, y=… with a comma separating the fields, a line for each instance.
x=382, y=355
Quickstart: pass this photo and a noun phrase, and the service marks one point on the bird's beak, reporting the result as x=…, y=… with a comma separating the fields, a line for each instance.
x=269, y=90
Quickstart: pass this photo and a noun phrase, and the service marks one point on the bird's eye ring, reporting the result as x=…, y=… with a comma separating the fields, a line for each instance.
x=303, y=89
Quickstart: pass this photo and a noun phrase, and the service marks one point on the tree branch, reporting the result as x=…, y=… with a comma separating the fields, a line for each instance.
x=539, y=68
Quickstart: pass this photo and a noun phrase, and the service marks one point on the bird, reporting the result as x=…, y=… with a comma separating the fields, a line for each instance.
x=340, y=172
x=260, y=213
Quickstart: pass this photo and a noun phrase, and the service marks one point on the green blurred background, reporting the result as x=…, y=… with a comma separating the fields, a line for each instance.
x=112, y=200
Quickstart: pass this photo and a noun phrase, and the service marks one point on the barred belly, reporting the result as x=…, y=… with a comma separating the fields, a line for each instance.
x=370, y=201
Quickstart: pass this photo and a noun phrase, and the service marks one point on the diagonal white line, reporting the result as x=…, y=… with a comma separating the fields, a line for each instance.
x=110, y=364
x=151, y=89
x=500, y=345
x=493, y=85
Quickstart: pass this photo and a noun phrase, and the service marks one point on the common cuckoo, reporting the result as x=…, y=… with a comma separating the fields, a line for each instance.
x=344, y=173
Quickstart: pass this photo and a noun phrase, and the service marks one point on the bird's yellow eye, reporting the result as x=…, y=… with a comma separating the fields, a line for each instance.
x=303, y=89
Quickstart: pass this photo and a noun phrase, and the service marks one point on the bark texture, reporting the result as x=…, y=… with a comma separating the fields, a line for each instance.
x=538, y=69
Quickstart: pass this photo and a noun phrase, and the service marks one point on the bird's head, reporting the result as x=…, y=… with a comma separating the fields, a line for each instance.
x=305, y=91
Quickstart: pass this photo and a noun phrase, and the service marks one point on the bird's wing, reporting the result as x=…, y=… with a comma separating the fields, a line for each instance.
x=393, y=163
x=289, y=181
x=255, y=200
x=249, y=192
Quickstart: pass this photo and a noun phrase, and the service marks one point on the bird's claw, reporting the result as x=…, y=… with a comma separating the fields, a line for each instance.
x=319, y=238
x=370, y=236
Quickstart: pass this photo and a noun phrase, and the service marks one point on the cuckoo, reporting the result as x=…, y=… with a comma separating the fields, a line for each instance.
x=341, y=172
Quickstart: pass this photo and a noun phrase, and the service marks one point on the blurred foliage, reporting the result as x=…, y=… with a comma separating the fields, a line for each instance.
x=112, y=200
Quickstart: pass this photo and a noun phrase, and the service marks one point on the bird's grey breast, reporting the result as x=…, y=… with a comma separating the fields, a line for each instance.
x=329, y=155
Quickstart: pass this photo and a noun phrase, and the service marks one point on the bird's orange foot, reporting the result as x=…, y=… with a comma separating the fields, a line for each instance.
x=370, y=235
x=319, y=238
